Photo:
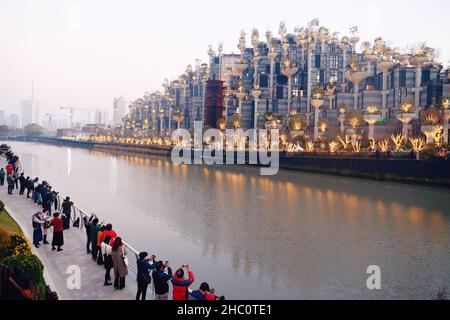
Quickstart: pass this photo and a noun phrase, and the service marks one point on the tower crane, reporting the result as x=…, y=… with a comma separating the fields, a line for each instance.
x=50, y=116
x=71, y=113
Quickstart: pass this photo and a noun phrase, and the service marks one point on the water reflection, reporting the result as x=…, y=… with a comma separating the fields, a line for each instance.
x=294, y=235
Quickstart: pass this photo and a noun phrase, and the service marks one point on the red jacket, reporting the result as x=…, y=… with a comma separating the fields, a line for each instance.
x=58, y=225
x=181, y=285
x=9, y=169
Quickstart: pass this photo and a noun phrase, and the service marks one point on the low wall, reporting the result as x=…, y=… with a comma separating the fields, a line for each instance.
x=436, y=172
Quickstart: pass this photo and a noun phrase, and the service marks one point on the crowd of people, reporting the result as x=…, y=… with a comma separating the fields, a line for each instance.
x=103, y=243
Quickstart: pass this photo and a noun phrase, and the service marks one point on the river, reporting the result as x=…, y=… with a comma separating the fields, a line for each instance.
x=292, y=236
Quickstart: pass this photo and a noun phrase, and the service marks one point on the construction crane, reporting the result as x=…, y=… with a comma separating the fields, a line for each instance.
x=71, y=110
x=50, y=120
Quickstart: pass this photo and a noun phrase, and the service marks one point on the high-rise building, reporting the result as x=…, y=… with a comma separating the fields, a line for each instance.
x=2, y=118
x=101, y=117
x=13, y=121
x=29, y=110
x=119, y=110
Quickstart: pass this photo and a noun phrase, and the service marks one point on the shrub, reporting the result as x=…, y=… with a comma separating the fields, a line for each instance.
x=19, y=245
x=2, y=206
x=28, y=263
x=5, y=244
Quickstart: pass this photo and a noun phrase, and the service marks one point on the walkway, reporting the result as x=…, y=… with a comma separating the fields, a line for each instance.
x=56, y=264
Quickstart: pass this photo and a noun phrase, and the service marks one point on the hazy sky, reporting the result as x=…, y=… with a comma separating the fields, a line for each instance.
x=83, y=53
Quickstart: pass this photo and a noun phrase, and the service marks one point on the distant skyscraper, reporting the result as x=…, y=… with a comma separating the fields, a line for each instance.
x=29, y=109
x=13, y=120
x=2, y=117
x=101, y=117
x=120, y=110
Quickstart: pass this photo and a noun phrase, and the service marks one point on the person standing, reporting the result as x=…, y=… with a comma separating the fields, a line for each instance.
x=46, y=226
x=108, y=263
x=144, y=267
x=87, y=226
x=120, y=268
x=67, y=210
x=23, y=184
x=16, y=179
x=58, y=229
x=10, y=181
x=2, y=177
x=37, y=222
x=94, y=228
x=9, y=169
x=47, y=200
x=30, y=188
x=100, y=238
x=160, y=279
x=37, y=191
x=181, y=285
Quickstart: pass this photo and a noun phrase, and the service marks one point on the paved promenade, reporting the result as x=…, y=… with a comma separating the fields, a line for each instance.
x=56, y=264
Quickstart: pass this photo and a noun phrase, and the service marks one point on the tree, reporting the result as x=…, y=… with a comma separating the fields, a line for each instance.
x=4, y=130
x=33, y=129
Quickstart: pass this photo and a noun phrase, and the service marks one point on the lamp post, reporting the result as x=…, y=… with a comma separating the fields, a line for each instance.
x=289, y=70
x=256, y=93
x=342, y=118
x=344, y=45
x=178, y=117
x=406, y=115
x=418, y=60
x=356, y=75
x=272, y=55
x=240, y=94
x=331, y=88
x=317, y=102
x=372, y=117
x=446, y=117
x=161, y=115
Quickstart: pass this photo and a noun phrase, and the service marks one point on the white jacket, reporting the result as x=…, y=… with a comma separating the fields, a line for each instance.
x=106, y=249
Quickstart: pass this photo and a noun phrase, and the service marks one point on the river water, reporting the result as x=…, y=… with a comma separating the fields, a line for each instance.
x=291, y=236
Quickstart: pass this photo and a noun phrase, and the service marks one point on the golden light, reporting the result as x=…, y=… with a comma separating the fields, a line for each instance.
x=345, y=142
x=406, y=107
x=354, y=122
x=373, y=145
x=398, y=141
x=438, y=135
x=356, y=146
x=418, y=144
x=384, y=145
x=372, y=110
x=334, y=146
x=323, y=126
x=446, y=103
x=431, y=119
x=309, y=146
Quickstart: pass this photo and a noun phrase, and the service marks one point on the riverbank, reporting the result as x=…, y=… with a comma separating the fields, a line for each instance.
x=16, y=250
x=435, y=173
x=59, y=266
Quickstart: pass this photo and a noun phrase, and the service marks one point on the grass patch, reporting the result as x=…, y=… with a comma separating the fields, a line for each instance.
x=8, y=224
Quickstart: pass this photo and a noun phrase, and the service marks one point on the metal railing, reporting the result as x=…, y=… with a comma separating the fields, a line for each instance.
x=77, y=212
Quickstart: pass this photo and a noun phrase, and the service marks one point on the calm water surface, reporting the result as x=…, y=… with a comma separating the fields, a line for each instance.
x=292, y=236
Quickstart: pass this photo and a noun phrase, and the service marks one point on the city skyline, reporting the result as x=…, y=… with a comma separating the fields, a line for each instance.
x=76, y=49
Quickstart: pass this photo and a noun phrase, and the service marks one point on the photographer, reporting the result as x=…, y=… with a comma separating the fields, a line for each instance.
x=180, y=284
x=144, y=266
x=160, y=279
